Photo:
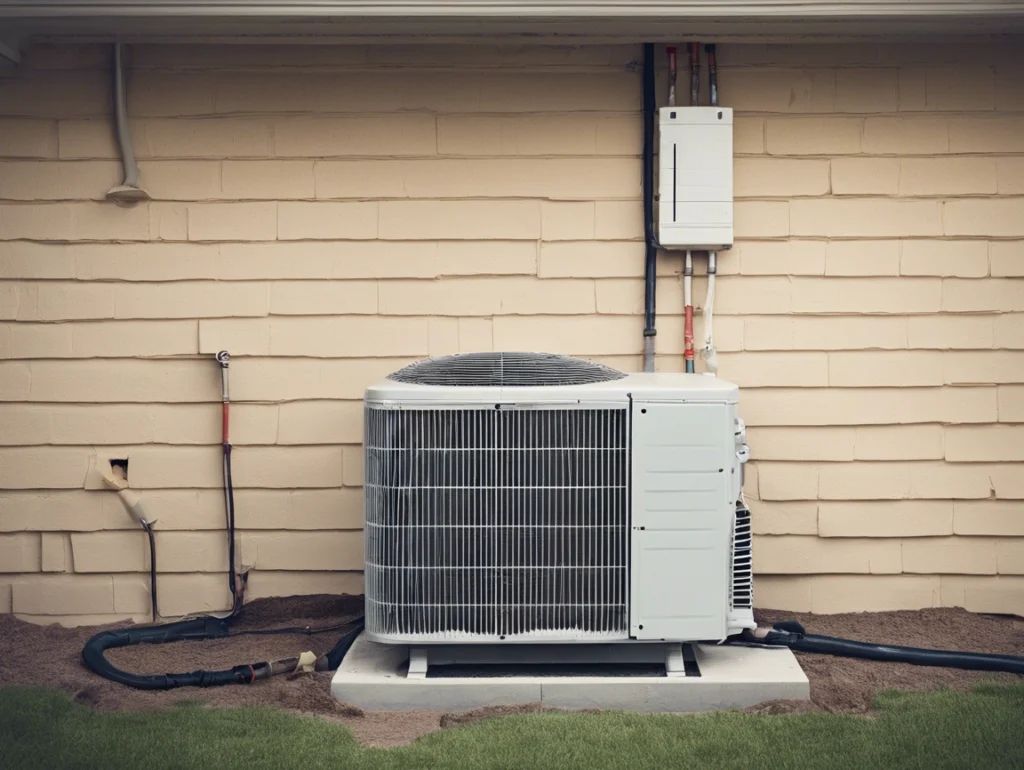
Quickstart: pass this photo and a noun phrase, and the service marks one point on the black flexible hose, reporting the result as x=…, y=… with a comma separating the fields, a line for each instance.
x=651, y=250
x=194, y=630
x=229, y=492
x=792, y=635
x=152, y=566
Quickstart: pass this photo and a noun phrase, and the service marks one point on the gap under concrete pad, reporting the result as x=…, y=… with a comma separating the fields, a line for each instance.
x=373, y=676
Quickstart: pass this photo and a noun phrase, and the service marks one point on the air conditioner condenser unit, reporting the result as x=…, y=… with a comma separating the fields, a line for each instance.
x=535, y=498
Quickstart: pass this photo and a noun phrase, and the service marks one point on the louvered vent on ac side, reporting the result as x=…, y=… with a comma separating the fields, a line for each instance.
x=741, y=582
x=505, y=370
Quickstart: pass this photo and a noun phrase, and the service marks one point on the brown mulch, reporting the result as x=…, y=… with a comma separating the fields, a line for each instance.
x=32, y=655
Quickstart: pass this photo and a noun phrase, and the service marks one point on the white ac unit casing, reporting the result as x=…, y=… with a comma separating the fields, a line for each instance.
x=596, y=512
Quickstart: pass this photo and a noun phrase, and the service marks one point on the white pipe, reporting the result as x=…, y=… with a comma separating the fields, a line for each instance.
x=709, y=352
x=128, y=191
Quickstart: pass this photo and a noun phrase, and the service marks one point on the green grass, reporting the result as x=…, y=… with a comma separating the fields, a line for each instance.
x=979, y=730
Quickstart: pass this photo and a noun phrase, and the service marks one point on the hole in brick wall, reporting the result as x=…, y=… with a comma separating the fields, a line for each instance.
x=122, y=464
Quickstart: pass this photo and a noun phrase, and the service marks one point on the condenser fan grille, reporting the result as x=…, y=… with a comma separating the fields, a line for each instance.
x=496, y=524
x=505, y=370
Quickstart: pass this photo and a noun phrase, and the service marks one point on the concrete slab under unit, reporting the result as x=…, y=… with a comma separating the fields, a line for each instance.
x=374, y=676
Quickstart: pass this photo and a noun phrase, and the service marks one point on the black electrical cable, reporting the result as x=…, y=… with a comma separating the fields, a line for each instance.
x=651, y=250
x=197, y=630
x=152, y=566
x=791, y=634
x=307, y=631
x=229, y=496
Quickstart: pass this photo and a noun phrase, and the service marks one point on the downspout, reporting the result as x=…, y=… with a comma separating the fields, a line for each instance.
x=650, y=242
x=128, y=191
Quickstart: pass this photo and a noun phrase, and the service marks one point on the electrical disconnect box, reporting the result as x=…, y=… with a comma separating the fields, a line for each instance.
x=696, y=196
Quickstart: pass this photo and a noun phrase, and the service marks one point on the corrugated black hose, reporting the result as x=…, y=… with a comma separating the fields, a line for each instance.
x=152, y=566
x=651, y=249
x=791, y=634
x=198, y=630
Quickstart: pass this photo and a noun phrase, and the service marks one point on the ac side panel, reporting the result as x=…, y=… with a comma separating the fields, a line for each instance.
x=683, y=461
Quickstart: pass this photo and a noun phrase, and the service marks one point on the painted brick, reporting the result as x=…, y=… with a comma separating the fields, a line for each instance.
x=813, y=136
x=780, y=257
x=353, y=462
x=537, y=135
x=988, y=517
x=67, y=94
x=323, y=297
x=108, y=381
x=744, y=296
x=577, y=335
x=168, y=221
x=946, y=481
x=907, y=136
x=1011, y=403
x=947, y=176
x=180, y=137
x=33, y=260
x=814, y=444
x=1009, y=331
x=31, y=180
x=779, y=90
x=989, y=443
x=762, y=219
x=261, y=379
x=773, y=177
x=567, y=221
x=288, y=467
x=26, y=138
x=43, y=468
x=459, y=220
x=996, y=595
x=320, y=422
x=827, y=594
x=986, y=134
x=985, y=217
x=232, y=222
x=865, y=406
x=950, y=555
x=994, y=295
x=587, y=259
x=824, y=333
x=866, y=90
x=787, y=481
x=880, y=369
x=965, y=259
x=280, y=583
x=64, y=595
x=748, y=136
x=166, y=467
x=308, y=550
x=862, y=258
x=864, y=481
x=442, y=336
x=616, y=220
x=100, y=340
x=868, y=218
x=786, y=518
x=476, y=334
x=74, y=222
x=973, y=368
x=756, y=370
x=201, y=424
x=788, y=554
x=1010, y=173
x=190, y=300
x=471, y=297
x=91, y=138
x=190, y=180
x=899, y=442
x=557, y=178
x=865, y=176
x=267, y=179
x=62, y=510
x=20, y=552
x=180, y=594
x=354, y=136
x=865, y=518
x=958, y=88
x=1010, y=557
x=299, y=509
x=867, y=295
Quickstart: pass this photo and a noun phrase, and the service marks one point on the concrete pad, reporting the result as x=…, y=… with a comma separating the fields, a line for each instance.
x=373, y=676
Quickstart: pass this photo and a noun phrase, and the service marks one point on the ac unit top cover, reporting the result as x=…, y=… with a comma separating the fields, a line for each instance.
x=532, y=378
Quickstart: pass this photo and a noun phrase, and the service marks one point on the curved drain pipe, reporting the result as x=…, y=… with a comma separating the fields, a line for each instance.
x=128, y=191
x=201, y=629
x=791, y=634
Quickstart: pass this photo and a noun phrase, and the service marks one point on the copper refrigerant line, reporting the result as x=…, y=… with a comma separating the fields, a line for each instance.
x=708, y=351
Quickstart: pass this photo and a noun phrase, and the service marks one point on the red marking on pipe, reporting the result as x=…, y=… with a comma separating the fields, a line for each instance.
x=688, y=334
x=225, y=429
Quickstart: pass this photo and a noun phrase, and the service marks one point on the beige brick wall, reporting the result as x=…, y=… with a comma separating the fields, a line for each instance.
x=330, y=213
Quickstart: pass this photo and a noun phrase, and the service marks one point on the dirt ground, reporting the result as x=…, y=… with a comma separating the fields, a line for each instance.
x=32, y=655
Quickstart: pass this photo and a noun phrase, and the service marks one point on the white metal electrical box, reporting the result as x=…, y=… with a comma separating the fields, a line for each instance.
x=696, y=193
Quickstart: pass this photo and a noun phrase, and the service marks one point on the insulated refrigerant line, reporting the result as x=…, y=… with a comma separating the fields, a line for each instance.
x=671, y=50
x=688, y=312
x=709, y=49
x=694, y=49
